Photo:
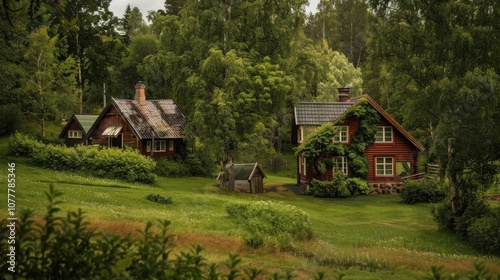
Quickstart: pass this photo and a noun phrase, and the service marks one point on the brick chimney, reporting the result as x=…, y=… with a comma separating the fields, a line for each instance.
x=344, y=93
x=140, y=93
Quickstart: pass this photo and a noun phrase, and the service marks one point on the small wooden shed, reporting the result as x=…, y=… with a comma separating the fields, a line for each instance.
x=248, y=177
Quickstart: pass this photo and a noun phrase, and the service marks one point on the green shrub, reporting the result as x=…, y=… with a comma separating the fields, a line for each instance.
x=358, y=186
x=484, y=233
x=427, y=190
x=444, y=216
x=171, y=168
x=159, y=199
x=124, y=164
x=270, y=223
x=65, y=247
x=337, y=187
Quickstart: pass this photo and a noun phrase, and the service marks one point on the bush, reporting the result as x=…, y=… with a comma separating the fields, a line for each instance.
x=124, y=164
x=427, y=190
x=171, y=168
x=271, y=223
x=358, y=186
x=337, y=187
x=159, y=199
x=484, y=233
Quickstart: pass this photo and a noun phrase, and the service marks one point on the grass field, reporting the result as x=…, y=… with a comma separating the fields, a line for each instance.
x=365, y=237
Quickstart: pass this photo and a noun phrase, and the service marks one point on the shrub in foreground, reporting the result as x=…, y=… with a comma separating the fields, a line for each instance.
x=66, y=248
x=271, y=223
x=426, y=190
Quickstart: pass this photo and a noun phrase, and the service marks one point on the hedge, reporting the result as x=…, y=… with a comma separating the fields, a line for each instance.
x=123, y=164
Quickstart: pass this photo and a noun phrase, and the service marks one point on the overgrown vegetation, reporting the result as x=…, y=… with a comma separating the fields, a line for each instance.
x=320, y=145
x=270, y=223
x=339, y=186
x=427, y=190
x=159, y=199
x=66, y=248
x=479, y=224
x=122, y=164
x=189, y=165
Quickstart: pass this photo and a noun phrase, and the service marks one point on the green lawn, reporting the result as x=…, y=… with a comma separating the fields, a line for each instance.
x=354, y=236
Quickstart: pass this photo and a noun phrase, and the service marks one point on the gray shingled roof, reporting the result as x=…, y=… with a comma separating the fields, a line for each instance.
x=318, y=113
x=157, y=118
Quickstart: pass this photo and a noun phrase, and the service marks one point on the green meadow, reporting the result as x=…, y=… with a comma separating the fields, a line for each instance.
x=363, y=237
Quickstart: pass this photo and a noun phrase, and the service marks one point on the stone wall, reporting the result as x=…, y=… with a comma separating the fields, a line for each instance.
x=387, y=188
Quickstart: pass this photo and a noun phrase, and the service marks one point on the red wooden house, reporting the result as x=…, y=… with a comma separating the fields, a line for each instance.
x=154, y=127
x=393, y=155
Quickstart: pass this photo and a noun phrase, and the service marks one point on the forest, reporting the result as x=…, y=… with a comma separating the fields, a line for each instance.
x=237, y=68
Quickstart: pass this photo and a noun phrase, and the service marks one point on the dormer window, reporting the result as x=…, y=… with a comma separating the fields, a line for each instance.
x=342, y=135
x=384, y=134
x=75, y=134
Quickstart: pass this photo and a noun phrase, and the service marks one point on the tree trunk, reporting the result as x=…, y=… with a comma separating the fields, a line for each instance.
x=452, y=174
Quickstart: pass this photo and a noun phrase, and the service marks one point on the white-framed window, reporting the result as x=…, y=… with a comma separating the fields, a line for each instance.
x=74, y=134
x=384, y=166
x=160, y=146
x=384, y=134
x=342, y=134
x=170, y=145
x=303, y=160
x=340, y=164
x=300, y=134
x=148, y=146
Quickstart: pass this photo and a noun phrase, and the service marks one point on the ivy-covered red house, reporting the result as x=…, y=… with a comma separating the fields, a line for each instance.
x=368, y=142
x=154, y=127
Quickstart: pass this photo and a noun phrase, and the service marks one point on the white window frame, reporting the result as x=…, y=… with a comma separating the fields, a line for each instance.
x=384, y=134
x=382, y=164
x=170, y=145
x=340, y=164
x=342, y=134
x=148, y=146
x=160, y=146
x=75, y=134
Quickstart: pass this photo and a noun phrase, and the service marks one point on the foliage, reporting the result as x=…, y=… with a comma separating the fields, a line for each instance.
x=270, y=223
x=358, y=186
x=171, y=168
x=480, y=272
x=444, y=94
x=61, y=247
x=122, y=164
x=337, y=187
x=426, y=190
x=159, y=199
x=320, y=142
x=10, y=115
x=484, y=233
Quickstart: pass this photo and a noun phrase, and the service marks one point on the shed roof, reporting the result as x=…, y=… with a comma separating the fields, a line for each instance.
x=244, y=171
x=318, y=113
x=160, y=118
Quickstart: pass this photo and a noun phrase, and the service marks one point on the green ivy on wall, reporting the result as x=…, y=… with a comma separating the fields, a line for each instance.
x=319, y=143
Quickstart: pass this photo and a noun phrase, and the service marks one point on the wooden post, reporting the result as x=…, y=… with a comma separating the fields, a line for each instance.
x=452, y=174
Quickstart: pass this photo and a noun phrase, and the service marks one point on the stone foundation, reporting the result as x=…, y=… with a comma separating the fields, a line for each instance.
x=387, y=188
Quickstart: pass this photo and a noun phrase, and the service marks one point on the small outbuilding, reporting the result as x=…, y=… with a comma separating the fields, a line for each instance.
x=248, y=177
